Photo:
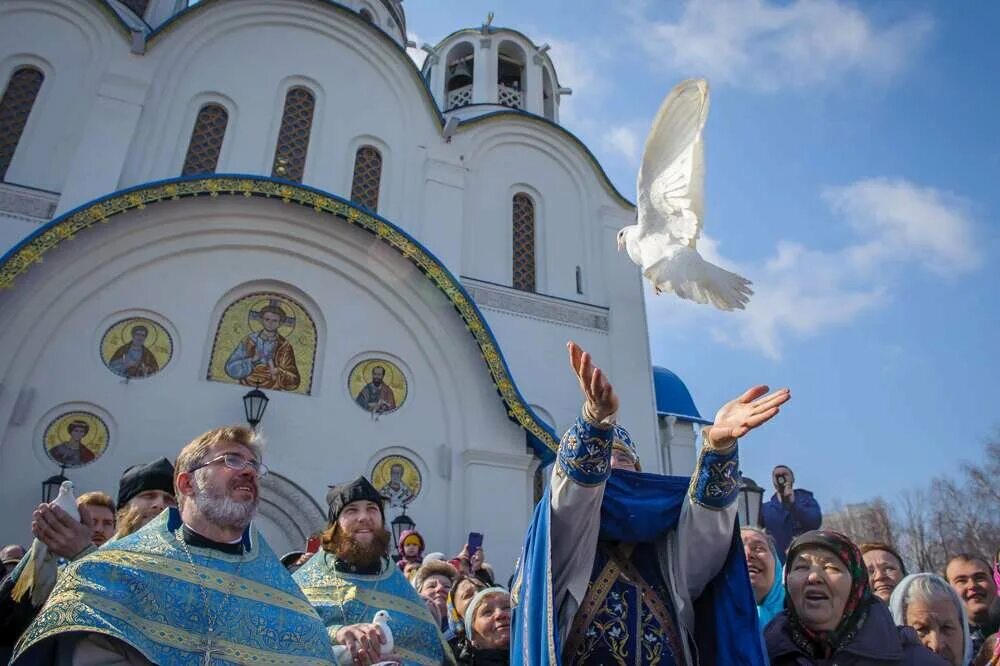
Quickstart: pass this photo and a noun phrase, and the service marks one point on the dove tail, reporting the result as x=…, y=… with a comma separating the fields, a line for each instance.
x=689, y=276
x=26, y=580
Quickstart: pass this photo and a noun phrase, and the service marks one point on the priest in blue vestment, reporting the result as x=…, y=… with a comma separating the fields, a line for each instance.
x=197, y=585
x=352, y=578
x=622, y=567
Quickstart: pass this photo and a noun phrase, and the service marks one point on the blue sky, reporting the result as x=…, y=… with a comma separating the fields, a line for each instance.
x=853, y=167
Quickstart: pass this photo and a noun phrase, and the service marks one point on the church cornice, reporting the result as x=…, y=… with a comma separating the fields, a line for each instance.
x=22, y=257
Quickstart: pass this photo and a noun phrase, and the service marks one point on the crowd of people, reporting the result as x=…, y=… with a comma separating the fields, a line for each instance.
x=618, y=566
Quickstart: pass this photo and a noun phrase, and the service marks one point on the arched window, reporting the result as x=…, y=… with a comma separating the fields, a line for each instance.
x=367, y=177
x=293, y=138
x=459, y=73
x=137, y=6
x=206, y=140
x=524, y=242
x=15, y=107
x=511, y=75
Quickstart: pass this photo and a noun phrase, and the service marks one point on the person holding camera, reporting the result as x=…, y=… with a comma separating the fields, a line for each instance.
x=790, y=512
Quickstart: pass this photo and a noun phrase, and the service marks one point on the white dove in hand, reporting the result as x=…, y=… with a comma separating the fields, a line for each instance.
x=671, y=206
x=381, y=620
x=38, y=575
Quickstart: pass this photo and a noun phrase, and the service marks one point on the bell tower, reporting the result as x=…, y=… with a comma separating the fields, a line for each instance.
x=486, y=69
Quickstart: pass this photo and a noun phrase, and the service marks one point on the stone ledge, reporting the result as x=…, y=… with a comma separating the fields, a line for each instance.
x=538, y=306
x=26, y=203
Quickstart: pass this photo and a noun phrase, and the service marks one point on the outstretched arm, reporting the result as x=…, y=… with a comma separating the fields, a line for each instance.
x=705, y=529
x=582, y=465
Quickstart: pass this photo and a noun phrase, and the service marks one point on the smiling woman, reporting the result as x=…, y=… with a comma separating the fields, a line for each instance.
x=831, y=614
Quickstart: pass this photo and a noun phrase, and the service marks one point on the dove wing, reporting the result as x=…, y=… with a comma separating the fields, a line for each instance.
x=672, y=175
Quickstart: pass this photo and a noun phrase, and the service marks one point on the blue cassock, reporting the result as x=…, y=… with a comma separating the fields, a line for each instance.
x=142, y=589
x=636, y=508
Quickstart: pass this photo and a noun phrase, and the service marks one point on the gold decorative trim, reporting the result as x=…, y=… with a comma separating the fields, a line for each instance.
x=208, y=578
x=31, y=251
x=164, y=634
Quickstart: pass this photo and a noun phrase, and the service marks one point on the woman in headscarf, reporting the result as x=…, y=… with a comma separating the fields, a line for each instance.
x=462, y=592
x=831, y=615
x=929, y=605
x=487, y=629
x=766, y=573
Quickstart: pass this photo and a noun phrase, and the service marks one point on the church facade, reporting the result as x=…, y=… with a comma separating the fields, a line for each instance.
x=200, y=202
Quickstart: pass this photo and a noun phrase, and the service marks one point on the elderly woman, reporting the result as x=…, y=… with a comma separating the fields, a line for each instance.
x=765, y=571
x=929, y=605
x=458, y=601
x=831, y=615
x=433, y=582
x=487, y=629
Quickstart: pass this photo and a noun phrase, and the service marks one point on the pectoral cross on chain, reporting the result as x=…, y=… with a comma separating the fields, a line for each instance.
x=210, y=649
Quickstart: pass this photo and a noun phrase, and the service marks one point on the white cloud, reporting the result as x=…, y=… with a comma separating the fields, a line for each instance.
x=577, y=67
x=764, y=45
x=622, y=140
x=909, y=222
x=417, y=54
x=800, y=292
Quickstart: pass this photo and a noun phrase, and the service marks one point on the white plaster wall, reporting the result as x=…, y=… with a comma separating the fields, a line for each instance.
x=176, y=261
x=107, y=119
x=71, y=43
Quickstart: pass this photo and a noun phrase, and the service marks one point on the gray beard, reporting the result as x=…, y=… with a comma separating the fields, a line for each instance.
x=219, y=509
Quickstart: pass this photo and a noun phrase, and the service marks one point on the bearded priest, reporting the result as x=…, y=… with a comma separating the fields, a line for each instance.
x=352, y=578
x=195, y=585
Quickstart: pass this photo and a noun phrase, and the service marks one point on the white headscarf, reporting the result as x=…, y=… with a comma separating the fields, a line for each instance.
x=470, y=611
x=936, y=586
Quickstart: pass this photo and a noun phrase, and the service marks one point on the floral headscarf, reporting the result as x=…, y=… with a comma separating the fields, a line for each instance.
x=456, y=623
x=823, y=644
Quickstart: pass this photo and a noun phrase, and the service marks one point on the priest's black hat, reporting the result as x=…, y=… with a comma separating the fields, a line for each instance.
x=156, y=475
x=353, y=491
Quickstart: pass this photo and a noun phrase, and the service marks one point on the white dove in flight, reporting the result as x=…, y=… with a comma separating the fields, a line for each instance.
x=671, y=192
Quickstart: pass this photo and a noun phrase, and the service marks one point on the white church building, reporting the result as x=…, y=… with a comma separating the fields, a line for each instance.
x=199, y=202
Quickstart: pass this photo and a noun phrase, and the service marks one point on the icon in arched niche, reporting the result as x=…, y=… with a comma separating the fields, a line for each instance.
x=75, y=439
x=377, y=386
x=265, y=340
x=136, y=347
x=397, y=479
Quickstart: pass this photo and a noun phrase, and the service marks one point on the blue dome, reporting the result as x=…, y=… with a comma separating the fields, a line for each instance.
x=673, y=398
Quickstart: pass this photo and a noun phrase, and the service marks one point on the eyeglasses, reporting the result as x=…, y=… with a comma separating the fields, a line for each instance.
x=236, y=462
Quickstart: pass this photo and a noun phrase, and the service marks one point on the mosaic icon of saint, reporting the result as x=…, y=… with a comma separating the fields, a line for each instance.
x=265, y=358
x=395, y=491
x=376, y=396
x=73, y=452
x=133, y=359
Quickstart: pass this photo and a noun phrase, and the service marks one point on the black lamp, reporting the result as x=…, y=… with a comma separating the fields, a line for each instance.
x=400, y=524
x=50, y=486
x=254, y=405
x=750, y=503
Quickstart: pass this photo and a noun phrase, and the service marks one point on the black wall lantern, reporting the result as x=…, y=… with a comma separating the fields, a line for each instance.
x=50, y=486
x=254, y=406
x=400, y=524
x=751, y=502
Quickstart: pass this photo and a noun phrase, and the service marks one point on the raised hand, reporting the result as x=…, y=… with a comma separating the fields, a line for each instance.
x=738, y=417
x=597, y=390
x=63, y=535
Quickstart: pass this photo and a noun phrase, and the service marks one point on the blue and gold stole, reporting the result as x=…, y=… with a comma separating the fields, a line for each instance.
x=343, y=598
x=143, y=590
